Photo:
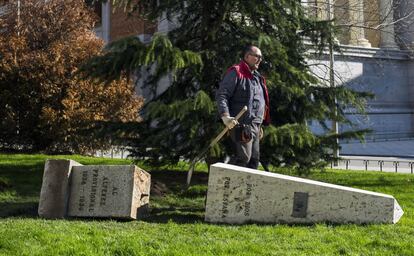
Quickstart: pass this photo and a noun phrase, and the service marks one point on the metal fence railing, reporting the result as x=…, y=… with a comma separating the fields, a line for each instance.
x=382, y=164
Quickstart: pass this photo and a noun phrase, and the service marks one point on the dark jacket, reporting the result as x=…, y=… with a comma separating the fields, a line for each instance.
x=236, y=91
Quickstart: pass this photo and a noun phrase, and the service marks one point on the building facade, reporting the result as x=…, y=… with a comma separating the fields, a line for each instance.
x=376, y=40
x=115, y=24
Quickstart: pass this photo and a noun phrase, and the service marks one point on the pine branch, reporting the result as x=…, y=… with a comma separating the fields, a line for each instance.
x=130, y=54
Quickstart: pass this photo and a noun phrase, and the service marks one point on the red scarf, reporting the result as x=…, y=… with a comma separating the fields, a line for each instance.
x=243, y=71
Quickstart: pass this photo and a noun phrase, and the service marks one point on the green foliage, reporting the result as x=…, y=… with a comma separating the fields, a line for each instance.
x=44, y=104
x=130, y=54
x=183, y=120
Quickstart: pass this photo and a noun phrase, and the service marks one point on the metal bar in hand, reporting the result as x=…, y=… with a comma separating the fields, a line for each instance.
x=212, y=143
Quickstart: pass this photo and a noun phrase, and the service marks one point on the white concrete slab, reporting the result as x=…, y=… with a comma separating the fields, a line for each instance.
x=239, y=195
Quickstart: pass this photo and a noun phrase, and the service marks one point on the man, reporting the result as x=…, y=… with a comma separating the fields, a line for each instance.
x=244, y=86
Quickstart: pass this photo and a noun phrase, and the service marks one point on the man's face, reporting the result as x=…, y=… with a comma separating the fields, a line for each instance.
x=253, y=58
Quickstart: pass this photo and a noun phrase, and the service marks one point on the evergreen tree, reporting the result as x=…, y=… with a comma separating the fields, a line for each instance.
x=208, y=39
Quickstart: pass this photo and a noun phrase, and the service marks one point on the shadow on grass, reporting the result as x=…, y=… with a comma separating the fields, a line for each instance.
x=22, y=175
x=176, y=180
x=21, y=210
x=172, y=185
x=180, y=215
x=21, y=182
x=178, y=218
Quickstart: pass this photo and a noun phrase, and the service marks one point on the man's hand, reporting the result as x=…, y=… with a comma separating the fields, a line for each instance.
x=229, y=121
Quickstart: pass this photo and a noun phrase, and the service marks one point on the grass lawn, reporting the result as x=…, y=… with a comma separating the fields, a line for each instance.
x=175, y=225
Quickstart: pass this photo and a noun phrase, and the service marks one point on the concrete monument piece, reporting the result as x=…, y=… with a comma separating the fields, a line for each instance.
x=54, y=194
x=70, y=189
x=116, y=191
x=239, y=195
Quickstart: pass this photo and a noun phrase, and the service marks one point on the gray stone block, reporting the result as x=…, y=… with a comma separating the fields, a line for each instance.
x=239, y=195
x=54, y=193
x=117, y=191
